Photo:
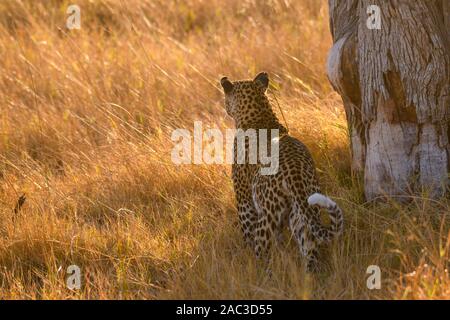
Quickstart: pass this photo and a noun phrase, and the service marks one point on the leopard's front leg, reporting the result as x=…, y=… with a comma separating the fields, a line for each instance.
x=248, y=216
x=248, y=220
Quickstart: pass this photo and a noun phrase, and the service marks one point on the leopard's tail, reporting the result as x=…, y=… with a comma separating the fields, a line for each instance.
x=335, y=213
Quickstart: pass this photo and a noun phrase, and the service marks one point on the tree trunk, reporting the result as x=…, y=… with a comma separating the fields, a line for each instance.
x=395, y=86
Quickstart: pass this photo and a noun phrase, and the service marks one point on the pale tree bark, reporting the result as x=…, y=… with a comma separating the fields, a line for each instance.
x=395, y=86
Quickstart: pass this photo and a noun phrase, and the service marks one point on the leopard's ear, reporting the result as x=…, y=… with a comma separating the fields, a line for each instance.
x=226, y=85
x=262, y=79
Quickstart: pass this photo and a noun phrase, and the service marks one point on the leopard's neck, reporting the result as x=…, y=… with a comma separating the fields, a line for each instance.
x=264, y=118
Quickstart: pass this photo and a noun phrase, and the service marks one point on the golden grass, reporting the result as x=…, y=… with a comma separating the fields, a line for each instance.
x=85, y=123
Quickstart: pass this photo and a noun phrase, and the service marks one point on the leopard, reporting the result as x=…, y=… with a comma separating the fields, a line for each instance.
x=289, y=198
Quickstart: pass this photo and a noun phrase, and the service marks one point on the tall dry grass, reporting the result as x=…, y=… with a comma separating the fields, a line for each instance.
x=85, y=123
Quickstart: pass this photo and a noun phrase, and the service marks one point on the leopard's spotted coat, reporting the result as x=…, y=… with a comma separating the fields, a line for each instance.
x=267, y=203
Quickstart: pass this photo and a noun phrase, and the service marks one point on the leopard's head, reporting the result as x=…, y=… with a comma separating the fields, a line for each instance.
x=246, y=99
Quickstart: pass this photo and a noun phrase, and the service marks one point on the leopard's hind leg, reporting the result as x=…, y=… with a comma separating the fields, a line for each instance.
x=272, y=208
x=300, y=229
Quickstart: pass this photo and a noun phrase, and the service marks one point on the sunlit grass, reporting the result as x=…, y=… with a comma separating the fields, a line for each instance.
x=85, y=123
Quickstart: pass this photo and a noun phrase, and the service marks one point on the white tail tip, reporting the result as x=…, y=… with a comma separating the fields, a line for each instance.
x=321, y=200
